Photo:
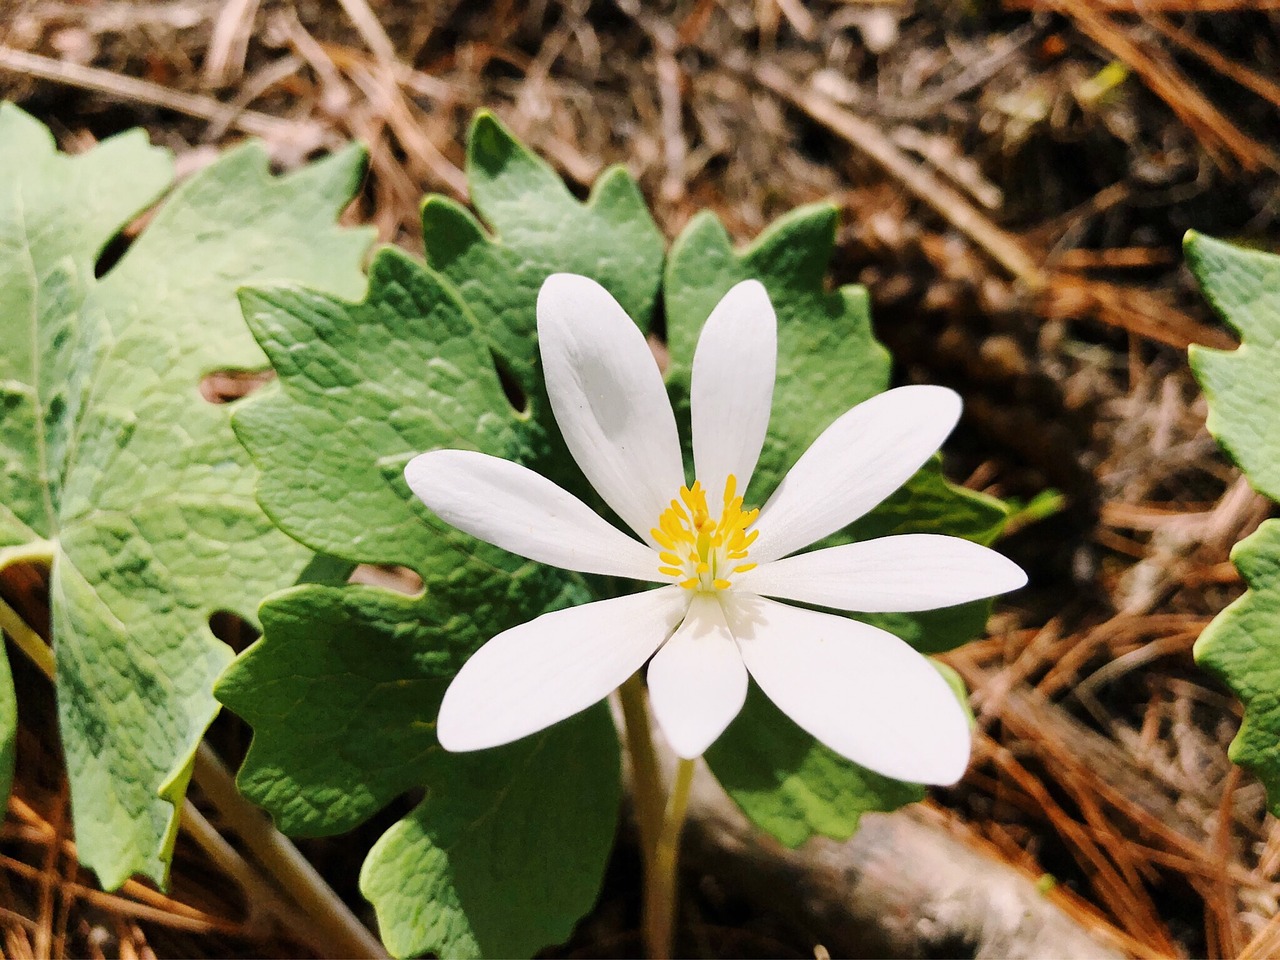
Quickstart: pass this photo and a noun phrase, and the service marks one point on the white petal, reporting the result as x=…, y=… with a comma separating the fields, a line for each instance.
x=697, y=682
x=608, y=397
x=536, y=674
x=514, y=508
x=916, y=571
x=857, y=461
x=734, y=368
x=861, y=691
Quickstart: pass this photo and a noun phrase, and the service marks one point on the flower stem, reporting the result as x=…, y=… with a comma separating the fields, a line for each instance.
x=659, y=822
x=663, y=868
x=646, y=780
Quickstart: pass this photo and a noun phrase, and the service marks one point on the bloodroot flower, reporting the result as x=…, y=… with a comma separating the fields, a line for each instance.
x=863, y=692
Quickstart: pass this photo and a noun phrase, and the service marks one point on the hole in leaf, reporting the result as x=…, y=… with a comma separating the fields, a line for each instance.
x=112, y=252
x=400, y=579
x=227, y=386
x=516, y=396
x=658, y=325
x=660, y=352
x=115, y=249
x=232, y=629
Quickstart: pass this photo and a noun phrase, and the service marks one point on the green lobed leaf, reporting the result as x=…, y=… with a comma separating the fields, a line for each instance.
x=364, y=387
x=112, y=465
x=344, y=722
x=1242, y=644
x=539, y=228
x=828, y=361
x=1241, y=386
x=501, y=883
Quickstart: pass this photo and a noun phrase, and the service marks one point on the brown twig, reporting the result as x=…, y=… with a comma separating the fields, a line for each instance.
x=1250, y=79
x=224, y=58
x=868, y=139
x=1217, y=134
x=1154, y=6
x=273, y=129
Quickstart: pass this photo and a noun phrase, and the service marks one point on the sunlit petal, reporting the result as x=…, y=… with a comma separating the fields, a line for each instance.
x=506, y=504
x=732, y=391
x=861, y=691
x=697, y=682
x=917, y=571
x=536, y=674
x=857, y=461
x=608, y=398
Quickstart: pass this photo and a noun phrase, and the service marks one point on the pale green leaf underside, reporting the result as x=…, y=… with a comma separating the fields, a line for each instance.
x=1241, y=385
x=1242, y=644
x=109, y=451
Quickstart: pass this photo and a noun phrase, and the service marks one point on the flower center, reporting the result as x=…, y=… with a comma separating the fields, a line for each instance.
x=701, y=553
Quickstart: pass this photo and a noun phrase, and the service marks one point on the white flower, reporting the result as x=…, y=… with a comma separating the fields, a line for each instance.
x=863, y=692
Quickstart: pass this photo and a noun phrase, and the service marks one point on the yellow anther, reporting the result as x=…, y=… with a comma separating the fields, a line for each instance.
x=700, y=550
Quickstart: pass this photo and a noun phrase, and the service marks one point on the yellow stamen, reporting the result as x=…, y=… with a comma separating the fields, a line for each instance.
x=700, y=548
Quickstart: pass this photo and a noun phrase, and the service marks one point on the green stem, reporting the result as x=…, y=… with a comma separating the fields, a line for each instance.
x=37, y=553
x=27, y=640
x=646, y=781
x=331, y=919
x=262, y=900
x=659, y=822
x=660, y=877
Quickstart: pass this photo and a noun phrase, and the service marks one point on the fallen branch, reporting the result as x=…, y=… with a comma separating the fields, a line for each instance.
x=299, y=137
x=1216, y=133
x=899, y=887
x=868, y=139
